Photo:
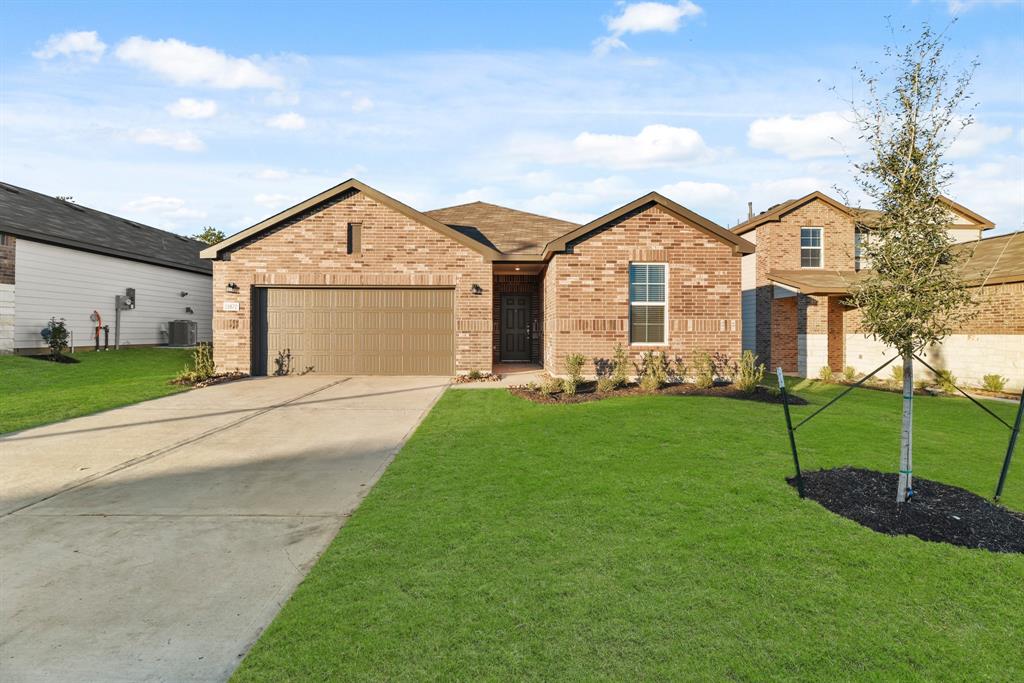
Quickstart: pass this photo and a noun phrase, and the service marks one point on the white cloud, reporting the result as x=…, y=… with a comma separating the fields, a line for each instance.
x=976, y=137
x=644, y=17
x=287, y=121
x=188, y=108
x=993, y=189
x=960, y=6
x=272, y=200
x=641, y=17
x=689, y=193
x=819, y=135
x=185, y=64
x=183, y=141
x=654, y=145
x=85, y=45
x=606, y=44
x=272, y=174
x=165, y=208
x=362, y=104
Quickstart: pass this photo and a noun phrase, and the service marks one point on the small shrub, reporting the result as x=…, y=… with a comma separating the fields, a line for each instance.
x=574, y=366
x=654, y=369
x=849, y=373
x=704, y=370
x=826, y=375
x=650, y=383
x=607, y=384
x=550, y=385
x=56, y=335
x=620, y=366
x=774, y=391
x=475, y=375
x=946, y=381
x=724, y=367
x=750, y=373
x=897, y=374
x=203, y=367
x=994, y=382
x=531, y=386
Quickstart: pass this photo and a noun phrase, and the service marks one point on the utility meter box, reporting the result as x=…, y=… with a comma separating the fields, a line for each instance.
x=129, y=298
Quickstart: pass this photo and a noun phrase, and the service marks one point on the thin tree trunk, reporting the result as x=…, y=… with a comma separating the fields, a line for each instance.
x=906, y=434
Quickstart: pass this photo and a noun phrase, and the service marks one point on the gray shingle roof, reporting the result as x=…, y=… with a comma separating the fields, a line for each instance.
x=35, y=216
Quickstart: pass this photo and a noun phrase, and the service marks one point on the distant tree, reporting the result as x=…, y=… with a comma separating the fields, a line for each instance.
x=209, y=235
x=914, y=296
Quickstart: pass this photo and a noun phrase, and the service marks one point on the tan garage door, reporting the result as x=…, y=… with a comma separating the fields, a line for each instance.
x=362, y=331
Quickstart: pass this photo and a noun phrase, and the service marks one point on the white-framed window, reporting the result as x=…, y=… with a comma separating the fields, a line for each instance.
x=860, y=238
x=811, y=250
x=648, y=303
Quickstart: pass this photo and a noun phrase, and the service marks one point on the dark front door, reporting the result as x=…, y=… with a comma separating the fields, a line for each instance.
x=515, y=327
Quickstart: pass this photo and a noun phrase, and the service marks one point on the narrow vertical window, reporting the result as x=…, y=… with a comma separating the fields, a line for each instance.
x=810, y=248
x=648, y=304
x=355, y=237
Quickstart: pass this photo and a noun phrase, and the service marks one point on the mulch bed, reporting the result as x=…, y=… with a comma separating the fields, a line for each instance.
x=937, y=512
x=588, y=392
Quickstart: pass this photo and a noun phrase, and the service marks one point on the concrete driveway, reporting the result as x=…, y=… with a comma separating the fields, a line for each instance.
x=155, y=542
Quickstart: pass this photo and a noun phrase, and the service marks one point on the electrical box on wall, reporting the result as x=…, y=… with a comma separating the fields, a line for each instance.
x=129, y=295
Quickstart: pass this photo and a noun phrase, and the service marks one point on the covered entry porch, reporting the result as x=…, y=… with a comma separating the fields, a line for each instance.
x=518, y=319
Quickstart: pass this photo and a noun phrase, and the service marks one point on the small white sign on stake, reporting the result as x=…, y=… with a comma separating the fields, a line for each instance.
x=230, y=305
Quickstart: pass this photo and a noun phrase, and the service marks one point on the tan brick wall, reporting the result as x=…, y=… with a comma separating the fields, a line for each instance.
x=7, y=259
x=998, y=311
x=586, y=292
x=778, y=248
x=310, y=250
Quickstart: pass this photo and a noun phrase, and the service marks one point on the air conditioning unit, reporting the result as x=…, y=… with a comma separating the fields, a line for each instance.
x=182, y=333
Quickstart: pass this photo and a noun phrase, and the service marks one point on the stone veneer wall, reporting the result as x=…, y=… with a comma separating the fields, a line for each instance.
x=991, y=343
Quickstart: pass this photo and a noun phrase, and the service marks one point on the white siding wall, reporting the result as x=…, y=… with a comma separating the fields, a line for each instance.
x=6, y=318
x=969, y=357
x=70, y=284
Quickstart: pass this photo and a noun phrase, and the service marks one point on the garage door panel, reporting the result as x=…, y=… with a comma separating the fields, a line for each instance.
x=362, y=331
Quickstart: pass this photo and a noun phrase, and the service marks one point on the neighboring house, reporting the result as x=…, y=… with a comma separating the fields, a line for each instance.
x=59, y=259
x=808, y=256
x=354, y=282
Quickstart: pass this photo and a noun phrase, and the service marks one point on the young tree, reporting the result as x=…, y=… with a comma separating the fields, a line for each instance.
x=209, y=235
x=914, y=295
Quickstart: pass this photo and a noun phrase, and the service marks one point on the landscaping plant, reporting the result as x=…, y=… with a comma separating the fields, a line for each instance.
x=620, y=366
x=750, y=372
x=56, y=335
x=947, y=381
x=203, y=367
x=913, y=296
x=849, y=373
x=550, y=385
x=654, y=370
x=704, y=370
x=826, y=375
x=574, y=369
x=994, y=382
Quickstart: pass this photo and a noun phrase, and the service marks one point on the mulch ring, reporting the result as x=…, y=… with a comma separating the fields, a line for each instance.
x=587, y=391
x=937, y=512
x=59, y=359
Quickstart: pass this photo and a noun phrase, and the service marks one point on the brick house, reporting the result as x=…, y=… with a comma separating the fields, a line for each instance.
x=352, y=281
x=807, y=257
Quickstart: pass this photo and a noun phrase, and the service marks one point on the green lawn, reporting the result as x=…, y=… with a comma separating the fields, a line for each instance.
x=35, y=392
x=653, y=539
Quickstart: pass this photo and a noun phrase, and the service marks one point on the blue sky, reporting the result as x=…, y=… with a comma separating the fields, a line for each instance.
x=183, y=114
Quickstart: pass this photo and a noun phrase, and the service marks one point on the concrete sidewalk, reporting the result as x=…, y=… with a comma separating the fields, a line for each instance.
x=155, y=542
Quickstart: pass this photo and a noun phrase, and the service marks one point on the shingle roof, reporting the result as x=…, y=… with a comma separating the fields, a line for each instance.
x=866, y=217
x=991, y=261
x=35, y=216
x=509, y=231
